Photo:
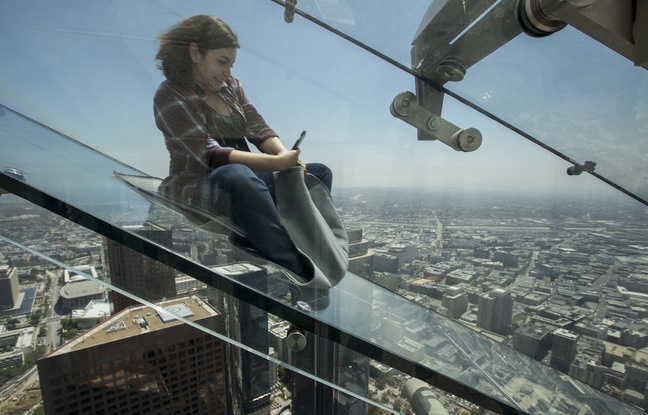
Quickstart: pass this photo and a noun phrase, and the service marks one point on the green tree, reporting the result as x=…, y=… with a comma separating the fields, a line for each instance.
x=66, y=323
x=70, y=334
x=35, y=317
x=31, y=358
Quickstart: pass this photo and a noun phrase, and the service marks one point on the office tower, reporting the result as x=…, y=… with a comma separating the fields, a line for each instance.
x=564, y=349
x=438, y=242
x=248, y=374
x=9, y=290
x=321, y=357
x=335, y=363
x=385, y=262
x=533, y=340
x=404, y=252
x=495, y=311
x=506, y=258
x=360, y=257
x=139, y=274
x=140, y=362
x=455, y=300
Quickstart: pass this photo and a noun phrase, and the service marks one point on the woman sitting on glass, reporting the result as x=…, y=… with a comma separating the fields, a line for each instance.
x=207, y=123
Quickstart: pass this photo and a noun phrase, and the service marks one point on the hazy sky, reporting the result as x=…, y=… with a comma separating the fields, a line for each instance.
x=88, y=70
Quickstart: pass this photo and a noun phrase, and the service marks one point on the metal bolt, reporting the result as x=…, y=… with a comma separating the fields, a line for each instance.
x=295, y=340
x=452, y=70
x=433, y=123
x=468, y=140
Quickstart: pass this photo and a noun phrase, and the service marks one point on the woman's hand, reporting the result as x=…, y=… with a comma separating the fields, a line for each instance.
x=287, y=159
x=284, y=160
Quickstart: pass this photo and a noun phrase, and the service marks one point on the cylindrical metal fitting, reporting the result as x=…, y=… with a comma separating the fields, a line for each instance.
x=404, y=104
x=468, y=139
x=536, y=19
x=452, y=70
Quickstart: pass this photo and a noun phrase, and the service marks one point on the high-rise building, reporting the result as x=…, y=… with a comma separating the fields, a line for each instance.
x=495, y=311
x=249, y=375
x=360, y=257
x=506, y=258
x=140, y=361
x=385, y=262
x=564, y=349
x=533, y=340
x=9, y=290
x=455, y=300
x=335, y=363
x=320, y=356
x=139, y=274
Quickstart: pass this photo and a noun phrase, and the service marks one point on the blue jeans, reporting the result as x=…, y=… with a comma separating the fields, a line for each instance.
x=248, y=198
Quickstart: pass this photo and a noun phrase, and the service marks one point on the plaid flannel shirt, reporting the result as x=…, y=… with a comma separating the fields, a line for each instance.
x=192, y=137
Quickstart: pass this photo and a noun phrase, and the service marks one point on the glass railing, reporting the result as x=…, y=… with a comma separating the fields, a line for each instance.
x=77, y=95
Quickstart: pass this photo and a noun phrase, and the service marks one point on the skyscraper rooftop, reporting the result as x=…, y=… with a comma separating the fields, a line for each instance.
x=136, y=320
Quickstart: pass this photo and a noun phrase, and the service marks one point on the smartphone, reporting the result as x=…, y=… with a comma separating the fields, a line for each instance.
x=299, y=140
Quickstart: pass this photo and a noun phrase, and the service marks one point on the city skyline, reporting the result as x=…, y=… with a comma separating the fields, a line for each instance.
x=485, y=222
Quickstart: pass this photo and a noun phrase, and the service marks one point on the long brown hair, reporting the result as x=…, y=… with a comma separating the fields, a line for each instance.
x=208, y=32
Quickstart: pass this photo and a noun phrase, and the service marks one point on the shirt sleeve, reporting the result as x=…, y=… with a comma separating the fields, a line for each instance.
x=184, y=127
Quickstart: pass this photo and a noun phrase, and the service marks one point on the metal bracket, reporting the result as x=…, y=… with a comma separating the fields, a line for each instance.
x=407, y=107
x=455, y=35
x=577, y=169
